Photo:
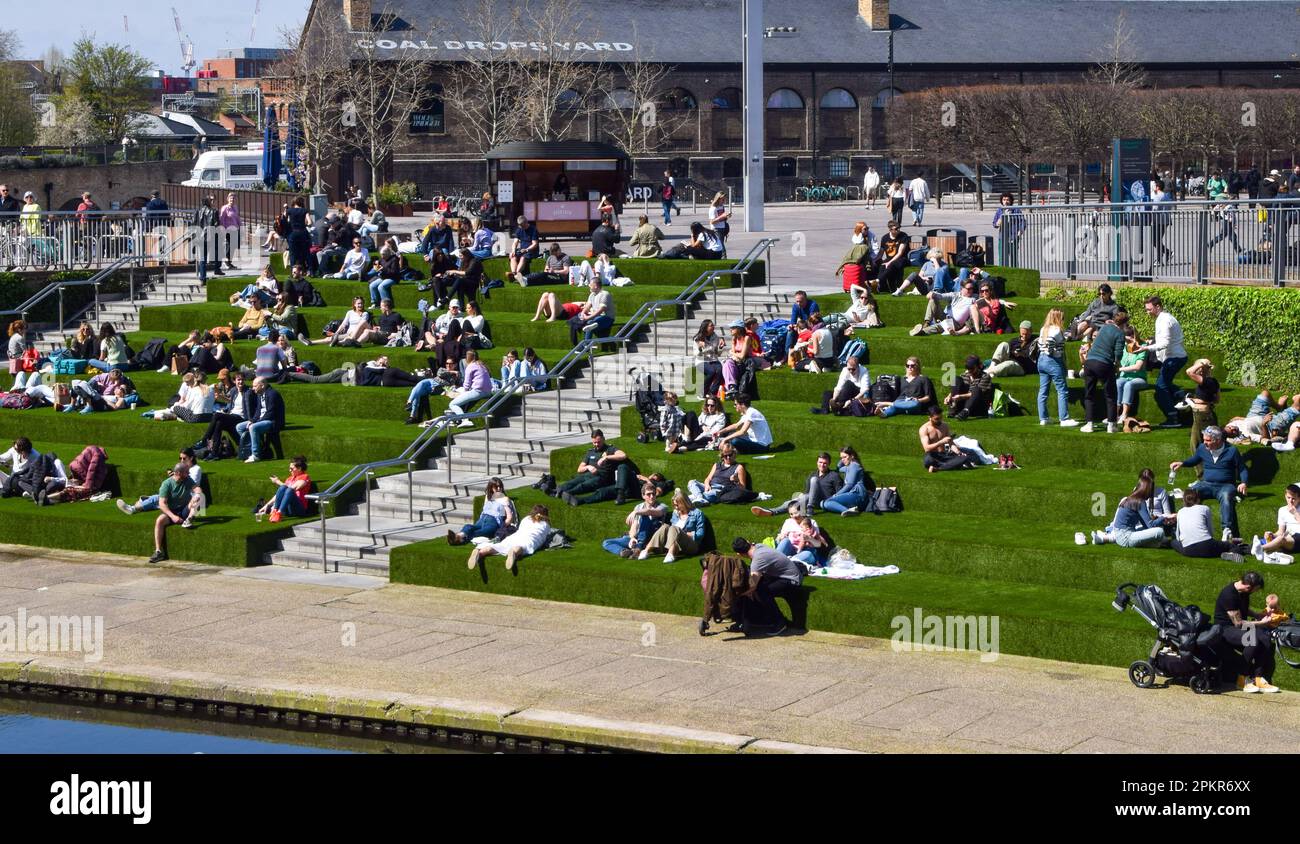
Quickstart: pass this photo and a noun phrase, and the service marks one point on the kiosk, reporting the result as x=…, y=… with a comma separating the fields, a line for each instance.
x=558, y=184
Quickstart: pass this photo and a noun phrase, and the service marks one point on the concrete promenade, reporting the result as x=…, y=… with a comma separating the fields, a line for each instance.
x=353, y=645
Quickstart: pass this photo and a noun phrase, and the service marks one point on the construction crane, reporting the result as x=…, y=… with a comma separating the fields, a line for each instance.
x=252, y=33
x=187, y=46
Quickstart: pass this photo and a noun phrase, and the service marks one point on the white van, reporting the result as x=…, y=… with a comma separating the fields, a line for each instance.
x=226, y=169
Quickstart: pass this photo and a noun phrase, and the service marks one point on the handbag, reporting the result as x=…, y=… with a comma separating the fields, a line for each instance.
x=180, y=363
x=28, y=360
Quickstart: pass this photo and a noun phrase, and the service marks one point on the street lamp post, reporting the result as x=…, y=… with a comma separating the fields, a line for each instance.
x=752, y=24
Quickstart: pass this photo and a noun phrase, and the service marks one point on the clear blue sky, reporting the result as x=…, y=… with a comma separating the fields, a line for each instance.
x=150, y=31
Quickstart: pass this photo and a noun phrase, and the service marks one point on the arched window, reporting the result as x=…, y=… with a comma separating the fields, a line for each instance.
x=784, y=98
x=728, y=99
x=838, y=167
x=885, y=95
x=785, y=167
x=620, y=99
x=570, y=99
x=733, y=168
x=838, y=98
x=679, y=99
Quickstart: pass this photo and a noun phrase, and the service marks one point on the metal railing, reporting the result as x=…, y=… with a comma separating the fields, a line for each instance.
x=583, y=352
x=128, y=262
x=67, y=240
x=1192, y=241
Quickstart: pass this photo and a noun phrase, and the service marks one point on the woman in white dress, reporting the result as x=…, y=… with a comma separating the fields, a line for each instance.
x=532, y=534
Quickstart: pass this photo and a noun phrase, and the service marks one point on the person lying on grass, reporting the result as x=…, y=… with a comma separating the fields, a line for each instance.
x=533, y=533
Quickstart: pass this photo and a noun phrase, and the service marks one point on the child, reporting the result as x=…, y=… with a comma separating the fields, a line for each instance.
x=671, y=419
x=1273, y=615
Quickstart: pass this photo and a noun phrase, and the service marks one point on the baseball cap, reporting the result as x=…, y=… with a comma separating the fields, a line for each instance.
x=1274, y=173
x=1024, y=323
x=454, y=303
x=737, y=323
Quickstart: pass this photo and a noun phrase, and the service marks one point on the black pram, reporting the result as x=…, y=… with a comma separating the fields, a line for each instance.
x=1185, y=640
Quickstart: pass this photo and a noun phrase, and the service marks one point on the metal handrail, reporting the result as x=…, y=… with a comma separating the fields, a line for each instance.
x=584, y=349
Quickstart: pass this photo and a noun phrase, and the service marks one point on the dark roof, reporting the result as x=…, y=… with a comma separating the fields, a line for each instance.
x=1004, y=32
x=555, y=151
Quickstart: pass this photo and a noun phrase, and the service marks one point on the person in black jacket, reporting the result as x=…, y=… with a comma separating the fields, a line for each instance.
x=265, y=417
x=211, y=356
x=155, y=210
x=206, y=221
x=604, y=238
x=822, y=484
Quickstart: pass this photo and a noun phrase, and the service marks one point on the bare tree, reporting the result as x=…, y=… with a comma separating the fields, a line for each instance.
x=1115, y=66
x=550, y=77
x=1018, y=119
x=380, y=92
x=974, y=130
x=1235, y=125
x=315, y=63
x=1081, y=118
x=1279, y=124
x=635, y=105
x=484, y=87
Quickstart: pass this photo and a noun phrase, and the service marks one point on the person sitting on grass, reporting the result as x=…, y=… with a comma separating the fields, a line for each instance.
x=819, y=353
x=852, y=498
x=496, y=517
x=1137, y=524
x=1224, y=475
x=1099, y=312
x=146, y=503
x=726, y=483
x=597, y=315
x=682, y=536
x=550, y=306
x=916, y=393
x=85, y=477
x=942, y=454
x=750, y=433
x=91, y=395
x=672, y=424
x=923, y=279
x=1277, y=545
x=265, y=287
x=822, y=484
x=852, y=393
x=604, y=473
x=178, y=356
x=644, y=520
x=525, y=246
x=354, y=326
x=265, y=419
x=645, y=239
x=772, y=575
x=291, y=493
x=863, y=311
x=211, y=356
x=556, y=270
x=708, y=422
x=462, y=283
x=443, y=381
x=1236, y=622
x=356, y=263
x=1131, y=376
x=532, y=535
x=989, y=315
x=112, y=350
x=1194, y=532
x=971, y=392
x=282, y=318
x=1017, y=356
x=19, y=456
x=196, y=402
x=808, y=545
x=478, y=385
x=179, y=506
x=392, y=267
x=251, y=323
x=1284, y=427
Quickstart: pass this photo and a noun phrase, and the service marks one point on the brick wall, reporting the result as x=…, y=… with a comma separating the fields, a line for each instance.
x=110, y=183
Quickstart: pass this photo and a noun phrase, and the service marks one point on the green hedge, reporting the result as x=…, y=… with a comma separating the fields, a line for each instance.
x=1256, y=329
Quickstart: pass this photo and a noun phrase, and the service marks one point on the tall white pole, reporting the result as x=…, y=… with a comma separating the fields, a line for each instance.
x=752, y=23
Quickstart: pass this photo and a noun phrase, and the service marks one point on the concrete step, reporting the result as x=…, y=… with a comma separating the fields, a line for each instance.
x=377, y=567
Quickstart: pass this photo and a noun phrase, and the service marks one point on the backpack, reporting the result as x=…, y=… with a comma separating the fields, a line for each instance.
x=16, y=401
x=885, y=388
x=917, y=256
x=404, y=336
x=747, y=380
x=667, y=191
x=151, y=356
x=855, y=348
x=885, y=500
x=331, y=327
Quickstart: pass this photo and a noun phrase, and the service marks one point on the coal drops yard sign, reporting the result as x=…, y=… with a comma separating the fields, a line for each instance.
x=498, y=46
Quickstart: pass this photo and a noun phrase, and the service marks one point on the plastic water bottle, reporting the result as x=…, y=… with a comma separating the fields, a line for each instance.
x=1173, y=476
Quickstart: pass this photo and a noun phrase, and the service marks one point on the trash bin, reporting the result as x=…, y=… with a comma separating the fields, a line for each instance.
x=320, y=206
x=949, y=241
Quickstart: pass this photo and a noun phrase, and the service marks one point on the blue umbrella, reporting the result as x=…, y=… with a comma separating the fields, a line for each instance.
x=291, y=147
x=270, y=150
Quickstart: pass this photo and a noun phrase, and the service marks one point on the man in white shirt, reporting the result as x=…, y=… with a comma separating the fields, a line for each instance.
x=444, y=321
x=918, y=191
x=750, y=433
x=870, y=185
x=355, y=217
x=355, y=263
x=852, y=393
x=16, y=458
x=1169, y=349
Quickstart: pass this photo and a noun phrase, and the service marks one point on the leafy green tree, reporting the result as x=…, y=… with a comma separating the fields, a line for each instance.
x=110, y=79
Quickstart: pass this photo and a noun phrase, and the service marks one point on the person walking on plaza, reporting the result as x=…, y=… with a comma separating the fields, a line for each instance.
x=668, y=196
x=918, y=192
x=1170, y=352
x=870, y=185
x=205, y=223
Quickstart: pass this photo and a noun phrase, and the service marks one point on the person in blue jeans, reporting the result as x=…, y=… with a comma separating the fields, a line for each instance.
x=498, y=512
x=802, y=309
x=265, y=417
x=850, y=500
x=1172, y=354
x=642, y=523
x=290, y=497
x=916, y=394
x=808, y=545
x=1224, y=476
x=147, y=503
x=668, y=197
x=1051, y=369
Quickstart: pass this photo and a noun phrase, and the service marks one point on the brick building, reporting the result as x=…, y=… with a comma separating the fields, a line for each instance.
x=827, y=83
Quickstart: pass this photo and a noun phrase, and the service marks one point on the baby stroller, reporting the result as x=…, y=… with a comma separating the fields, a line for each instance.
x=1184, y=649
